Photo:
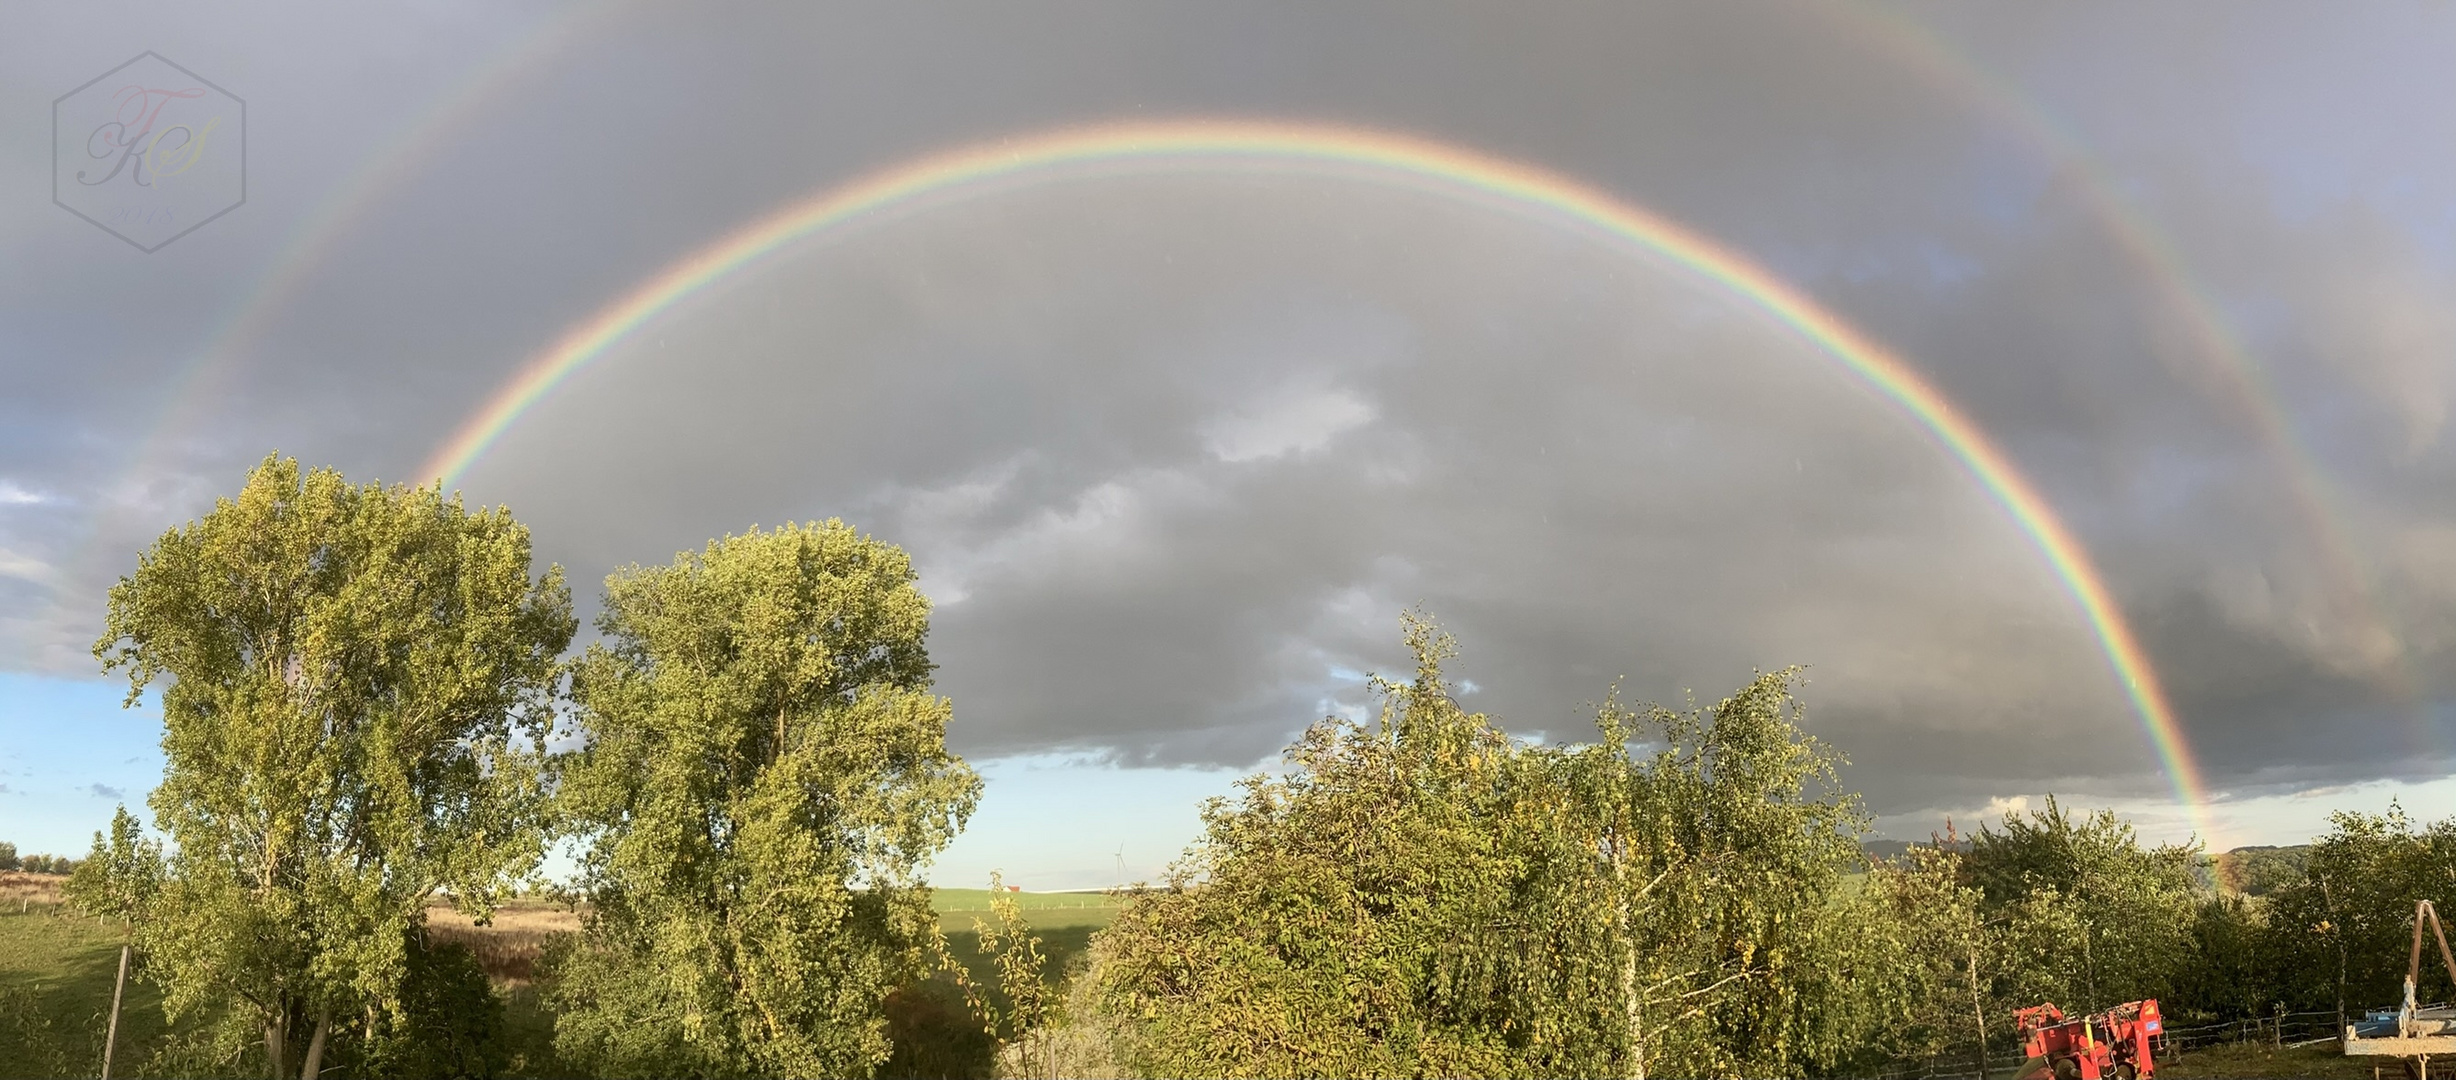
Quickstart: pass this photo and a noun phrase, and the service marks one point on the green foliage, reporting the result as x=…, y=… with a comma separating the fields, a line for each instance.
x=358, y=683
x=1339, y=919
x=1736, y=835
x=29, y=1045
x=2045, y=907
x=2093, y=917
x=1428, y=896
x=121, y=875
x=2234, y=967
x=46, y=864
x=360, y=680
x=2259, y=871
x=1947, y=953
x=937, y=1034
x=1015, y=953
x=448, y=1022
x=2343, y=933
x=766, y=773
x=64, y=964
x=1028, y=1012
x=8, y=856
x=215, y=1044
x=1088, y=1043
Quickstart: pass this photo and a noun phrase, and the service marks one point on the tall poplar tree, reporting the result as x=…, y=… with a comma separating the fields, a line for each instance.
x=765, y=775
x=359, y=685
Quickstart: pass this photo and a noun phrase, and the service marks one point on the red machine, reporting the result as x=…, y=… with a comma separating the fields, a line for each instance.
x=2112, y=1044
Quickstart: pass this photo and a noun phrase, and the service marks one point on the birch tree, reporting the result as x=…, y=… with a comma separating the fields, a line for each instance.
x=1429, y=896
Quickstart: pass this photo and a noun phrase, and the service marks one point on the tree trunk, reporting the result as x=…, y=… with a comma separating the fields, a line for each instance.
x=315, y=1046
x=110, y=1041
x=1978, y=1005
x=1628, y=960
x=277, y=1042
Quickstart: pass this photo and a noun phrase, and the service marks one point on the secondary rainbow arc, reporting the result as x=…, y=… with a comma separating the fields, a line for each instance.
x=1404, y=158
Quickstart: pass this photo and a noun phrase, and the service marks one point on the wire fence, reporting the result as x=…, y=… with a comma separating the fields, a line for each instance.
x=2280, y=1029
x=2283, y=1030
x=1950, y=1066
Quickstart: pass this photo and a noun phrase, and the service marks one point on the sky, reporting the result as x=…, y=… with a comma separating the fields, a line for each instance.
x=1173, y=440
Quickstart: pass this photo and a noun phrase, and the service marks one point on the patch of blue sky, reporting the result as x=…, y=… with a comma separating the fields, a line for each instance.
x=1070, y=821
x=68, y=753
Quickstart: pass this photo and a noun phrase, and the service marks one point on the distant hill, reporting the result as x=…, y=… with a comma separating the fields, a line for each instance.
x=1894, y=849
x=2258, y=871
x=2251, y=871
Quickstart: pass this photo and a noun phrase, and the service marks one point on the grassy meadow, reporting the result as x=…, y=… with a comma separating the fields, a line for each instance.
x=57, y=966
x=56, y=971
x=1065, y=922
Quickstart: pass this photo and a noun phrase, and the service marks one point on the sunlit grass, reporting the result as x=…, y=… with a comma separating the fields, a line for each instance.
x=61, y=964
x=57, y=967
x=2259, y=1061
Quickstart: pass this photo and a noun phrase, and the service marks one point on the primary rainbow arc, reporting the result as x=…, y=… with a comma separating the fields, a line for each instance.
x=1394, y=157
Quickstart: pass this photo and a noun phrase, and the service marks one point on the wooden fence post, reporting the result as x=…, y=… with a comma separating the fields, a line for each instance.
x=110, y=1041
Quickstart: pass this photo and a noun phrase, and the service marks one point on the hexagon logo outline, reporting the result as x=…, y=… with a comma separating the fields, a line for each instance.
x=150, y=111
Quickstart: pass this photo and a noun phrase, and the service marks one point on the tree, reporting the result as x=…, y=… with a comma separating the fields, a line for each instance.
x=1740, y=815
x=1351, y=916
x=2101, y=919
x=46, y=864
x=2259, y=871
x=1427, y=895
x=1920, y=907
x=120, y=873
x=118, y=880
x=1033, y=1010
x=2343, y=933
x=360, y=686
x=2234, y=972
x=8, y=856
x=765, y=774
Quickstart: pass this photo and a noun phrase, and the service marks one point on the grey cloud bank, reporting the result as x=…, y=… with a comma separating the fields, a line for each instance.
x=1173, y=448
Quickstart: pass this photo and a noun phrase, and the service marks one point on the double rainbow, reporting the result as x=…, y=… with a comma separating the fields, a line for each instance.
x=1407, y=161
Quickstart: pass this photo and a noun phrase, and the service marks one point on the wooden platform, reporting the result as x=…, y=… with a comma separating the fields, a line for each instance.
x=2392, y=1046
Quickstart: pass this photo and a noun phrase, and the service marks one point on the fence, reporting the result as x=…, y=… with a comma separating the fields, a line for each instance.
x=2281, y=1030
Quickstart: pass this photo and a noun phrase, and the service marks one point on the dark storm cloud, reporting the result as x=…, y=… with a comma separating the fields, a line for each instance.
x=1172, y=451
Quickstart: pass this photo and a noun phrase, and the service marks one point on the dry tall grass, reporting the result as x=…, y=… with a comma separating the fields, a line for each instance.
x=22, y=890
x=508, y=947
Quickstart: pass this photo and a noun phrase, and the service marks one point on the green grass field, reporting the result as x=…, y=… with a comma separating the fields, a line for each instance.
x=1044, y=912
x=56, y=970
x=949, y=900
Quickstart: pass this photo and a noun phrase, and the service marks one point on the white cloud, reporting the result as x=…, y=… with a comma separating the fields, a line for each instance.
x=2001, y=807
x=27, y=568
x=1300, y=424
x=11, y=494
